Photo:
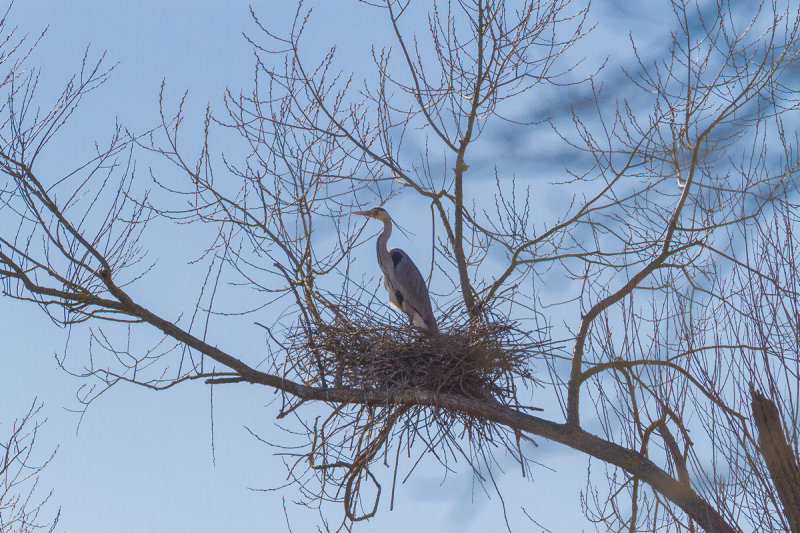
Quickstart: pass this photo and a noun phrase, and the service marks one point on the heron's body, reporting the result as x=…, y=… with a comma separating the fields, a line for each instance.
x=401, y=277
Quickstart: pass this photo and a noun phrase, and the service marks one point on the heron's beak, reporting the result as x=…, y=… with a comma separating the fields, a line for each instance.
x=365, y=213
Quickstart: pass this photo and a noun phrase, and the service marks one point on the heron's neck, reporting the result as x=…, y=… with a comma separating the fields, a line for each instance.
x=383, y=251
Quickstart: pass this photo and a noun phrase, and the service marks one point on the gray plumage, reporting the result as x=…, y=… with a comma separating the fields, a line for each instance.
x=401, y=277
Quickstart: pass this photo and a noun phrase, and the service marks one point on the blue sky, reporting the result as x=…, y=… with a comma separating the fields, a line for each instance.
x=141, y=460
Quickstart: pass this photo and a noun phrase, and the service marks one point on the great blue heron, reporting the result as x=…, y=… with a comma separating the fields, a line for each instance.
x=403, y=281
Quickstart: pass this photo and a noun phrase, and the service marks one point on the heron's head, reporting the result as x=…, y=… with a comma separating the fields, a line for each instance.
x=376, y=212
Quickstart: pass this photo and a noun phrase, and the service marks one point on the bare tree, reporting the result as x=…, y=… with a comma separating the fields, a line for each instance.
x=673, y=329
x=20, y=503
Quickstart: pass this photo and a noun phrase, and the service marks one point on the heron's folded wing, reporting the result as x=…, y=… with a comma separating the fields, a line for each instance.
x=410, y=282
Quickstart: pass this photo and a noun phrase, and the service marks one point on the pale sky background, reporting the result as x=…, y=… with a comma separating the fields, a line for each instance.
x=142, y=461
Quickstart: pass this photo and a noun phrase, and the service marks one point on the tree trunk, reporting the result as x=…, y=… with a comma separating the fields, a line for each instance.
x=781, y=461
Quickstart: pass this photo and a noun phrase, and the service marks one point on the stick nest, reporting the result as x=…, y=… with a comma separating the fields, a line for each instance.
x=479, y=362
x=484, y=361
